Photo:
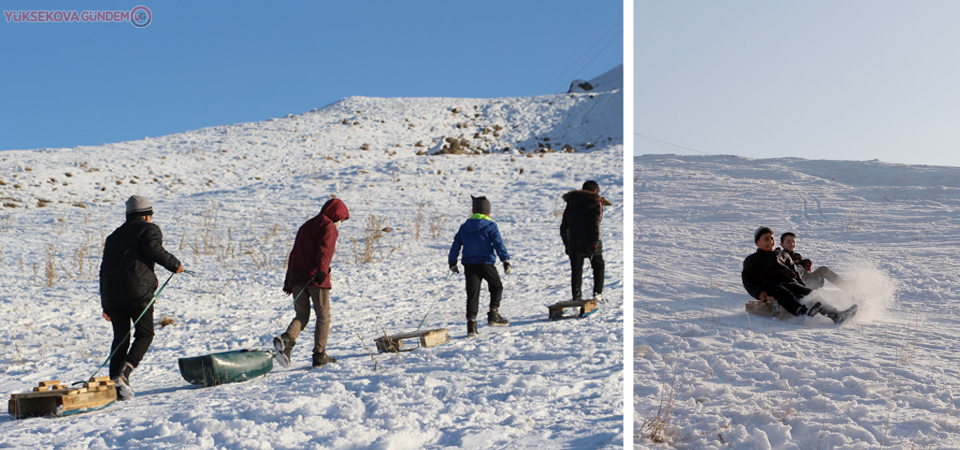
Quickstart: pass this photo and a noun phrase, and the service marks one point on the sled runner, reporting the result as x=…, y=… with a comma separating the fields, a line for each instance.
x=767, y=308
x=56, y=399
x=587, y=307
x=426, y=338
x=226, y=367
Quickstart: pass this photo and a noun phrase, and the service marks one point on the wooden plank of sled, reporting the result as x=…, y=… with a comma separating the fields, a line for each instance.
x=586, y=306
x=428, y=338
x=40, y=394
x=50, y=383
x=432, y=338
x=90, y=399
x=20, y=406
x=58, y=401
x=100, y=384
x=765, y=308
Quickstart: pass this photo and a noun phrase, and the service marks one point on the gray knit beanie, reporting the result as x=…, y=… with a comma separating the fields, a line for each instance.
x=760, y=232
x=139, y=206
x=481, y=205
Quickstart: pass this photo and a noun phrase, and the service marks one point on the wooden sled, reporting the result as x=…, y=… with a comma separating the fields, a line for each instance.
x=587, y=307
x=767, y=308
x=53, y=398
x=426, y=338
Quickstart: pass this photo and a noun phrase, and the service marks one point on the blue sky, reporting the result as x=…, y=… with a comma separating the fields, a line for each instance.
x=201, y=64
x=851, y=80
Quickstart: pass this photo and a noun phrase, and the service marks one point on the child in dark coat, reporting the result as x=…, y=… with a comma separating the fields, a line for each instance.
x=127, y=287
x=580, y=232
x=480, y=239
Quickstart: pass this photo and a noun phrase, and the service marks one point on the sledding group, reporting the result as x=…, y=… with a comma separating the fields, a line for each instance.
x=128, y=282
x=784, y=276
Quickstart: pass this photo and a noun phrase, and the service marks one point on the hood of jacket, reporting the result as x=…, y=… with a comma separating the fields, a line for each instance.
x=335, y=210
x=476, y=223
x=579, y=197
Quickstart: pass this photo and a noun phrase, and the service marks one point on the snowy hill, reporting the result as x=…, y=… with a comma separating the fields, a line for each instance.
x=707, y=375
x=229, y=200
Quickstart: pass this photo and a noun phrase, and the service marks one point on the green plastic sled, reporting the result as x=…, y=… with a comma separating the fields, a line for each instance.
x=226, y=367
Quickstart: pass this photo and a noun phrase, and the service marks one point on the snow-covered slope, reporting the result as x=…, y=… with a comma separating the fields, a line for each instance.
x=707, y=375
x=229, y=200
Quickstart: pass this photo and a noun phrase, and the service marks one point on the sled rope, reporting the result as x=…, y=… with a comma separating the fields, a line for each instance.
x=294, y=303
x=134, y=325
x=434, y=303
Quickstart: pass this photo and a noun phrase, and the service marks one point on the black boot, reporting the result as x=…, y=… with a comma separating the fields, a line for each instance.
x=495, y=319
x=321, y=359
x=471, y=328
x=842, y=316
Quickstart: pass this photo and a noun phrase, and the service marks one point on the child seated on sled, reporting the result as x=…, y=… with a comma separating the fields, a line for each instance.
x=811, y=278
x=771, y=274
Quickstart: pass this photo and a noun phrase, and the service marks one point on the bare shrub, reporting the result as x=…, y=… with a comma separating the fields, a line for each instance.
x=262, y=260
x=373, y=357
x=368, y=248
x=656, y=426
x=437, y=224
x=50, y=274
x=418, y=220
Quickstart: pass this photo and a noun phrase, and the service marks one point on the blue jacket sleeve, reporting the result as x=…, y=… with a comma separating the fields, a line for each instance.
x=497, y=242
x=455, y=249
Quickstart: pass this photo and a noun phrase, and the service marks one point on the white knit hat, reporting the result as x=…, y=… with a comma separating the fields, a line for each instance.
x=139, y=205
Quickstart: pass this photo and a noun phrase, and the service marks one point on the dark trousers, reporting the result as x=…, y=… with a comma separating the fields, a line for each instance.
x=576, y=275
x=121, y=319
x=788, y=295
x=475, y=274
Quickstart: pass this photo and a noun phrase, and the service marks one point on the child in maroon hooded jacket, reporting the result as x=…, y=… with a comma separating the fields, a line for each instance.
x=308, y=272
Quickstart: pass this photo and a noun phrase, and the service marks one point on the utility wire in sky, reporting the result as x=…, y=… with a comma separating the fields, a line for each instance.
x=616, y=26
x=672, y=144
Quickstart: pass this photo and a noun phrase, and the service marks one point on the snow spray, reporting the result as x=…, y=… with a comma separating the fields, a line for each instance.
x=869, y=287
x=873, y=290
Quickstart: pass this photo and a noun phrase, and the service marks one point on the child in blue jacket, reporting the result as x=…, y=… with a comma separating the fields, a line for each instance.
x=480, y=239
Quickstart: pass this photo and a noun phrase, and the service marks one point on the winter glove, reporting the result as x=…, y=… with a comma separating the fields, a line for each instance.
x=287, y=289
x=319, y=277
x=454, y=268
x=507, y=267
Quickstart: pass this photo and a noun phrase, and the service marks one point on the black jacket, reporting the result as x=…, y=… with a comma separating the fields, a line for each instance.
x=802, y=265
x=580, y=227
x=763, y=270
x=129, y=255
